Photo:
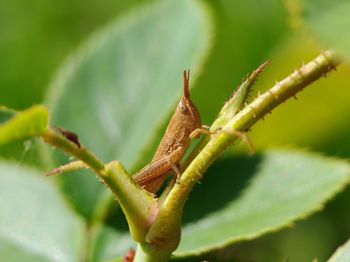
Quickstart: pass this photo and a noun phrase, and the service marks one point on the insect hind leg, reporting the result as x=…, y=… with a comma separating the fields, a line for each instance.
x=243, y=136
x=175, y=168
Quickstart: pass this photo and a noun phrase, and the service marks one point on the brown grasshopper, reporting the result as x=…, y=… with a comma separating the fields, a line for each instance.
x=174, y=143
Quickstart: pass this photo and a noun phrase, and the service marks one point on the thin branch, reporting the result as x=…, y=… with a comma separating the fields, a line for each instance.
x=54, y=138
x=67, y=168
x=140, y=207
x=171, y=211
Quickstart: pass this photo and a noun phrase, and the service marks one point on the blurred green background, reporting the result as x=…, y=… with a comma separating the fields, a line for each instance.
x=37, y=35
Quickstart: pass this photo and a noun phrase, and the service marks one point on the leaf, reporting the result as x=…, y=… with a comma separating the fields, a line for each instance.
x=117, y=89
x=35, y=223
x=328, y=20
x=237, y=100
x=244, y=198
x=342, y=254
x=28, y=123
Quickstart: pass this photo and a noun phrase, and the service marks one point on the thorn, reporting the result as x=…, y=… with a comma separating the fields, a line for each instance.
x=101, y=180
x=67, y=167
x=301, y=73
x=316, y=63
x=294, y=77
x=252, y=109
x=272, y=94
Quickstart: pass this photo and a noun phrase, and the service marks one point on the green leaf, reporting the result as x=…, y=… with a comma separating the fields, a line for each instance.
x=118, y=88
x=237, y=100
x=342, y=254
x=35, y=223
x=328, y=20
x=244, y=198
x=28, y=123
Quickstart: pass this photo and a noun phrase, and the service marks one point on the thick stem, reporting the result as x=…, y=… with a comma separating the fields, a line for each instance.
x=253, y=112
x=140, y=207
x=171, y=211
x=142, y=256
x=163, y=235
x=288, y=87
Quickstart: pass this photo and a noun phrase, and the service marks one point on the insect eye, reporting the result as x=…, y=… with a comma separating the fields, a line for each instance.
x=183, y=107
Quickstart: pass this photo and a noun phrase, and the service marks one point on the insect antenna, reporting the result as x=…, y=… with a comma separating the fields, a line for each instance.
x=186, y=83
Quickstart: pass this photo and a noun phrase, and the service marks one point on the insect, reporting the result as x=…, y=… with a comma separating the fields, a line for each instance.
x=185, y=120
x=70, y=136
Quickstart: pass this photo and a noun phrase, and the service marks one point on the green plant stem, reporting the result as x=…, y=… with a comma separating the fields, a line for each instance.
x=236, y=102
x=54, y=138
x=141, y=256
x=170, y=213
x=140, y=207
x=159, y=231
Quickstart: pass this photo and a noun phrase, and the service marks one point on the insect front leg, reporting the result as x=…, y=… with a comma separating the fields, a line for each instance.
x=202, y=130
x=242, y=135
